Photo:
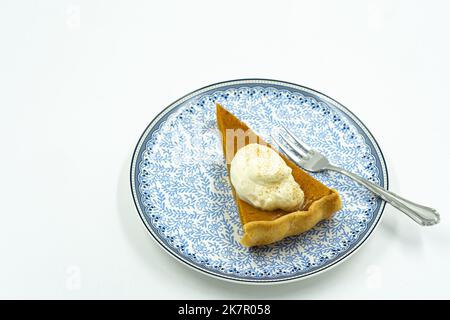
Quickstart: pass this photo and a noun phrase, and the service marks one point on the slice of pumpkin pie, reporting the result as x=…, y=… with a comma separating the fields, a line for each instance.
x=275, y=198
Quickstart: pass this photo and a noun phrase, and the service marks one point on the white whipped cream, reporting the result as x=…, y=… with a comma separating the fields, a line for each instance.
x=262, y=178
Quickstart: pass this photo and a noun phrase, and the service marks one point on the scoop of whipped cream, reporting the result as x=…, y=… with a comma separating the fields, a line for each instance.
x=262, y=178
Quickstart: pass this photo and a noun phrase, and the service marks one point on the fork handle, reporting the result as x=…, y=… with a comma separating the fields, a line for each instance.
x=423, y=215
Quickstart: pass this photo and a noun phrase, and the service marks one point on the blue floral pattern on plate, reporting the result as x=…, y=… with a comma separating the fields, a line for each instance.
x=183, y=195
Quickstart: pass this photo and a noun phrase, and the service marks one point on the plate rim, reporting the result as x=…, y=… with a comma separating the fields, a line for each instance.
x=243, y=81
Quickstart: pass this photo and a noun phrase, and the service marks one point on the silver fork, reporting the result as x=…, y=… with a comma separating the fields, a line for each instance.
x=314, y=161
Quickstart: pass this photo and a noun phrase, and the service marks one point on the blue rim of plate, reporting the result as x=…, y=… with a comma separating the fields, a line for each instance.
x=263, y=82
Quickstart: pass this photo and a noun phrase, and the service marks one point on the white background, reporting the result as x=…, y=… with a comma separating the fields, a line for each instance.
x=80, y=80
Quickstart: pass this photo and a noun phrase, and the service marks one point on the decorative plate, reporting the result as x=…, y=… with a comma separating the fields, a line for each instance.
x=181, y=189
